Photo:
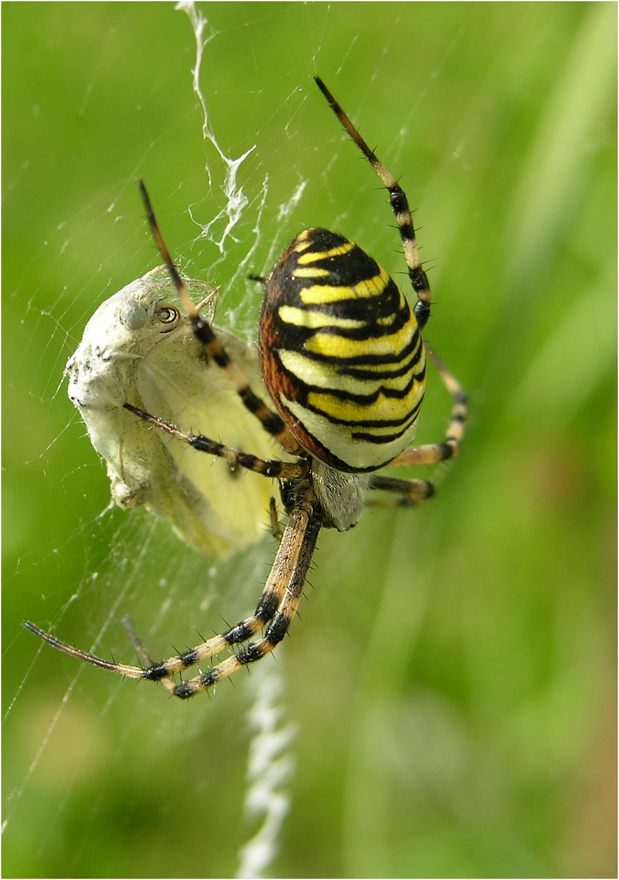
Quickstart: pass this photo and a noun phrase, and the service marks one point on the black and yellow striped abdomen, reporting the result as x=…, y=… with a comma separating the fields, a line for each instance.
x=341, y=353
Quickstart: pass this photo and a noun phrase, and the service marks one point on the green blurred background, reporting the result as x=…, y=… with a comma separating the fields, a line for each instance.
x=452, y=676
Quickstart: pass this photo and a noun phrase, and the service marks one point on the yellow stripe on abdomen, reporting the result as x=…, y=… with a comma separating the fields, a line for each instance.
x=343, y=360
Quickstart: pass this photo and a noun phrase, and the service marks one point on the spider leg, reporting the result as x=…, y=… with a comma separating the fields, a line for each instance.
x=139, y=647
x=129, y=671
x=284, y=586
x=137, y=641
x=399, y=203
x=276, y=529
x=431, y=453
x=278, y=604
x=271, y=468
x=411, y=492
x=271, y=422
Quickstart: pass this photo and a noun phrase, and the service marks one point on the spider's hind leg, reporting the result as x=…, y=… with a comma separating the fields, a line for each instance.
x=432, y=453
x=410, y=492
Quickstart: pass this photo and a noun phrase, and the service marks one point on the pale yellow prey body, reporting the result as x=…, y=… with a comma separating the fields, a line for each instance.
x=139, y=348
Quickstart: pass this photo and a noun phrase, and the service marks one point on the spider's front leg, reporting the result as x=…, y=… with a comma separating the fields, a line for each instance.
x=207, y=337
x=272, y=468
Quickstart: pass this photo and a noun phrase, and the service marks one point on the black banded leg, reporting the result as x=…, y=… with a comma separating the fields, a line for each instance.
x=162, y=671
x=432, y=453
x=286, y=581
x=143, y=653
x=399, y=204
x=277, y=604
x=272, y=468
x=411, y=492
x=271, y=422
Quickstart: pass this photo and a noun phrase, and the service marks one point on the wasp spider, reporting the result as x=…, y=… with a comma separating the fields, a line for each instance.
x=344, y=364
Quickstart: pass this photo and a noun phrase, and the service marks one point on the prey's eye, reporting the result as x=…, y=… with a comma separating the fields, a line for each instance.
x=168, y=315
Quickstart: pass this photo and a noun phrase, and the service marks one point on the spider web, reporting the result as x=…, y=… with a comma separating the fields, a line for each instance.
x=226, y=211
x=213, y=105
